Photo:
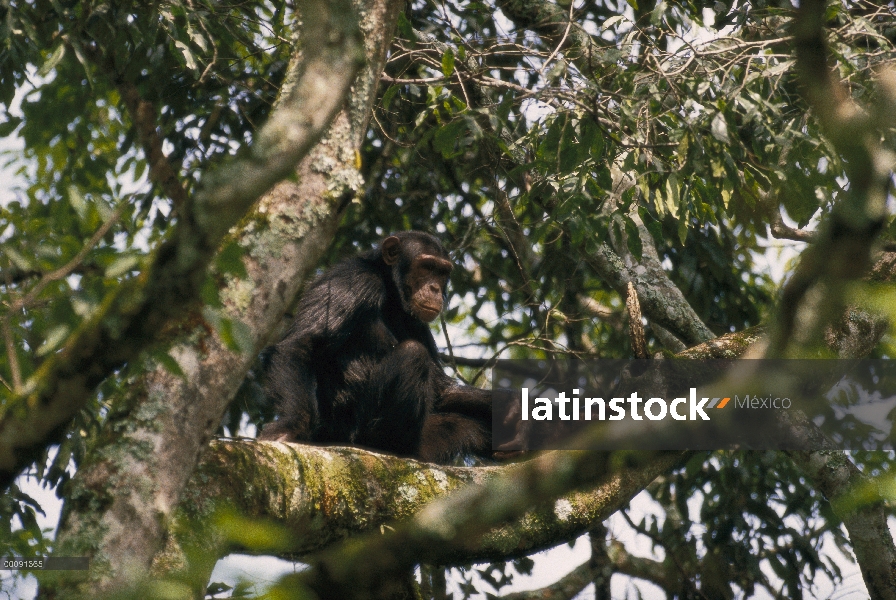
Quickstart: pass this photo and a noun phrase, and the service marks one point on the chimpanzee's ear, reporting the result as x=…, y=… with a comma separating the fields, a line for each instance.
x=391, y=250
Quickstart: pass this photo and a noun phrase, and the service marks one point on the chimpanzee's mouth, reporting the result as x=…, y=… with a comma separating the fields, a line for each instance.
x=428, y=313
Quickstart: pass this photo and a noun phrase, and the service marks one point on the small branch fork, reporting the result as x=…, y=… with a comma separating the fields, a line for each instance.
x=780, y=230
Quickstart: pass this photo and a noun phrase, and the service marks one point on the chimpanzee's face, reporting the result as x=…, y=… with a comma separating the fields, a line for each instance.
x=421, y=275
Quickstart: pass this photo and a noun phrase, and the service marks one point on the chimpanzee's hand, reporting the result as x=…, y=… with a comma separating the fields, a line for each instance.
x=511, y=434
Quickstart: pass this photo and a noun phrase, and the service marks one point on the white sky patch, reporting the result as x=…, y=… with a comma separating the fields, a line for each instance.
x=9, y=147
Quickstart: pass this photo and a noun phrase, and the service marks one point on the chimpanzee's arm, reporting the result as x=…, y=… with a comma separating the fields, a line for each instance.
x=458, y=398
x=291, y=385
x=464, y=418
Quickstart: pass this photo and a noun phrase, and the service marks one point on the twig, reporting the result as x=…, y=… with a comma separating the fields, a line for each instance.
x=13, y=357
x=399, y=80
x=450, y=349
x=161, y=171
x=65, y=270
x=782, y=231
x=562, y=40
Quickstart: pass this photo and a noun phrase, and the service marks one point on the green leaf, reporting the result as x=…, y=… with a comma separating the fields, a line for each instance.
x=653, y=226
x=405, y=28
x=720, y=129
x=832, y=11
x=187, y=54
x=10, y=125
x=591, y=139
x=19, y=260
x=211, y=299
x=682, y=151
x=671, y=196
x=52, y=61
x=235, y=334
x=726, y=193
x=76, y=199
x=230, y=261
x=569, y=156
x=102, y=207
x=122, y=265
x=611, y=21
x=682, y=229
x=197, y=38
x=169, y=364
x=448, y=62
x=504, y=108
x=644, y=186
x=633, y=240
x=603, y=176
x=656, y=16
x=447, y=137
x=54, y=339
x=387, y=97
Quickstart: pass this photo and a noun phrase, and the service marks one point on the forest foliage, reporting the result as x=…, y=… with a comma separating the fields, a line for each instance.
x=531, y=137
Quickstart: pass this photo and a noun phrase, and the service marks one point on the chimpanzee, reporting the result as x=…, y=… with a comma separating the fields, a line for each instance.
x=359, y=365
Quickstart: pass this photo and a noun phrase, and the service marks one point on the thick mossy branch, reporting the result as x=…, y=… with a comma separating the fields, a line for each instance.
x=509, y=515
x=322, y=494
x=327, y=494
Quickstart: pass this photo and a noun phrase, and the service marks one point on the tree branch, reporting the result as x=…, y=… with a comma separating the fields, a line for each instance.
x=841, y=253
x=161, y=172
x=845, y=239
x=511, y=514
x=730, y=345
x=843, y=485
x=661, y=300
x=782, y=231
x=282, y=242
x=296, y=496
x=565, y=588
x=134, y=314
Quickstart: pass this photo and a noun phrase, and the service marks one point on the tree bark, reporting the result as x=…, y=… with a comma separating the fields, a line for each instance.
x=122, y=499
x=133, y=316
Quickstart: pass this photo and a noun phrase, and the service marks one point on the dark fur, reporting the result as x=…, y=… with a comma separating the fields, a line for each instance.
x=357, y=368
